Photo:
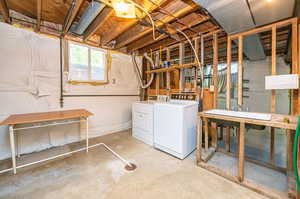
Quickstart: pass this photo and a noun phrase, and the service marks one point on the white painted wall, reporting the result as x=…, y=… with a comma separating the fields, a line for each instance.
x=259, y=98
x=30, y=82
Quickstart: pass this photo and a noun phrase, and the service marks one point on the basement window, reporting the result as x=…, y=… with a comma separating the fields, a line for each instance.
x=87, y=64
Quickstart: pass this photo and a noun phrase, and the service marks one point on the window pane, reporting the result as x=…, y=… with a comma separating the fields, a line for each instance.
x=79, y=69
x=97, y=65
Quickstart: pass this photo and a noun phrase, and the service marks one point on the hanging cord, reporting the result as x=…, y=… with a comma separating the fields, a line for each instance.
x=295, y=155
x=196, y=56
x=149, y=16
x=139, y=73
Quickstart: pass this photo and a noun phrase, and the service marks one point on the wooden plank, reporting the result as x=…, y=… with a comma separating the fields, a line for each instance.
x=181, y=57
x=228, y=80
x=45, y=116
x=215, y=69
x=296, y=97
x=241, y=152
x=157, y=83
x=273, y=98
x=168, y=73
x=214, y=135
x=67, y=24
x=277, y=120
x=39, y=15
x=206, y=128
x=196, y=69
x=139, y=31
x=240, y=71
x=265, y=28
x=4, y=11
x=98, y=22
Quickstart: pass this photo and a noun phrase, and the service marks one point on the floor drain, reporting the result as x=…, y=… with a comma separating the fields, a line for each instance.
x=130, y=167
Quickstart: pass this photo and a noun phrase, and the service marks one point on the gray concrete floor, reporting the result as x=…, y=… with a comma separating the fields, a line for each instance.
x=99, y=174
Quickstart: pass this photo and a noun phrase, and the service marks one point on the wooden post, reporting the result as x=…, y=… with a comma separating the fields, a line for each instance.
x=196, y=69
x=199, y=140
x=228, y=91
x=181, y=57
x=295, y=67
x=206, y=128
x=241, y=151
x=273, y=99
x=157, y=83
x=240, y=71
x=215, y=69
x=39, y=15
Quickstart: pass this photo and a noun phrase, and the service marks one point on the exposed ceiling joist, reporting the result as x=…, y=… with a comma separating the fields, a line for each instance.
x=139, y=31
x=74, y=12
x=39, y=15
x=4, y=11
x=99, y=21
x=119, y=27
x=190, y=19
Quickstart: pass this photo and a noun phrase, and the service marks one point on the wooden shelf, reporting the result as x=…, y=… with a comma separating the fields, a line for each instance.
x=173, y=67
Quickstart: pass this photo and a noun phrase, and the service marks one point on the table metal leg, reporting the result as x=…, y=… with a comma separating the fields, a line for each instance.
x=12, y=145
x=87, y=134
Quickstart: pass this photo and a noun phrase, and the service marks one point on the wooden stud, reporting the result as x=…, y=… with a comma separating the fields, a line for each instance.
x=39, y=15
x=157, y=83
x=196, y=69
x=295, y=70
x=240, y=71
x=273, y=99
x=228, y=83
x=4, y=11
x=168, y=73
x=241, y=151
x=215, y=69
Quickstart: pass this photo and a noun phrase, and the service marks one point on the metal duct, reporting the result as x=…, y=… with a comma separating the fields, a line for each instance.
x=88, y=16
x=234, y=16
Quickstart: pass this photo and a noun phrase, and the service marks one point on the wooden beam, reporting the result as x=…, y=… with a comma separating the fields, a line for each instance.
x=98, y=22
x=139, y=31
x=4, y=11
x=74, y=12
x=38, y=15
x=181, y=57
x=240, y=71
x=148, y=39
x=215, y=69
x=117, y=27
x=295, y=67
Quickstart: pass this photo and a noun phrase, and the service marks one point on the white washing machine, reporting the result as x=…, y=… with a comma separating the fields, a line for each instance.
x=175, y=127
x=142, y=121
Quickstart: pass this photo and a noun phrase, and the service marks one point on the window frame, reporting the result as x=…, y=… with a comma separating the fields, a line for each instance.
x=90, y=81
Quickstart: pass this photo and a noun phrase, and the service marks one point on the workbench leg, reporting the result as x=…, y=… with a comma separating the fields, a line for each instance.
x=241, y=151
x=13, y=147
x=206, y=123
x=214, y=134
x=87, y=134
x=227, y=140
x=272, y=145
x=199, y=140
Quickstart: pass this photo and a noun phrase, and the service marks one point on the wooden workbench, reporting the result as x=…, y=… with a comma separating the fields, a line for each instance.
x=277, y=121
x=42, y=119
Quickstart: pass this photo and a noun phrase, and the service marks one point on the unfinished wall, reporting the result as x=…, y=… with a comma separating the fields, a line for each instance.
x=30, y=82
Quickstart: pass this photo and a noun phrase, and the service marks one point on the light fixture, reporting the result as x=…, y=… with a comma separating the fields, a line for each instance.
x=123, y=9
x=269, y=0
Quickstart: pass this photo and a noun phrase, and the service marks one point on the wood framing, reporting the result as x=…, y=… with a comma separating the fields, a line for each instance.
x=74, y=12
x=215, y=68
x=228, y=80
x=4, y=11
x=181, y=57
x=240, y=70
x=39, y=15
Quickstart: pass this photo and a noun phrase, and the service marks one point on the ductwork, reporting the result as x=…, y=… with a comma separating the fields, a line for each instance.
x=88, y=16
x=240, y=15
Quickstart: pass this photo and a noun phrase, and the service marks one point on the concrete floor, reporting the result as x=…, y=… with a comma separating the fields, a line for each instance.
x=99, y=175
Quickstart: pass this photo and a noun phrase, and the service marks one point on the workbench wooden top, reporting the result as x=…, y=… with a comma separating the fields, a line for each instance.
x=45, y=116
x=277, y=120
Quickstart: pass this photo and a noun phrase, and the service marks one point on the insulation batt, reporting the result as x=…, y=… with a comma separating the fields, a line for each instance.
x=30, y=82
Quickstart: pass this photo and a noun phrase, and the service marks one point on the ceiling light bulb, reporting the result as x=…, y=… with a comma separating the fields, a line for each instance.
x=269, y=0
x=124, y=10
